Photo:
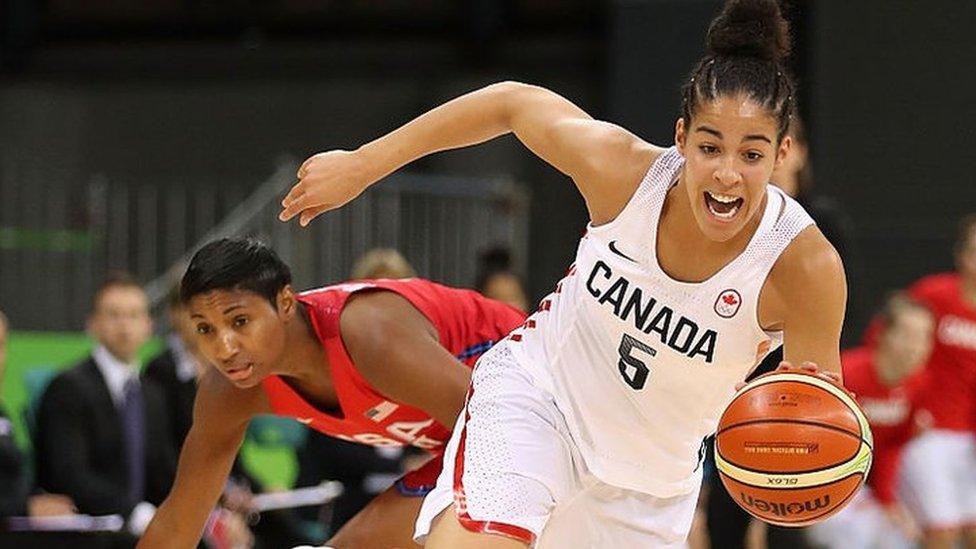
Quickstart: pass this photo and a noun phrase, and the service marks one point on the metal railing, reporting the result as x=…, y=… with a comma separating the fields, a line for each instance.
x=48, y=272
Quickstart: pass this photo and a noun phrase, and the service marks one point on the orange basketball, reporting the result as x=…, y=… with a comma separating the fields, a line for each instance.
x=793, y=448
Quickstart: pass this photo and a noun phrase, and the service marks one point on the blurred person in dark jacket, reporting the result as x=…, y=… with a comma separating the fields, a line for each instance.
x=175, y=371
x=15, y=482
x=102, y=435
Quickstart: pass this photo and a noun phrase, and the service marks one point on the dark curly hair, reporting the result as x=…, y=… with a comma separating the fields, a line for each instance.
x=746, y=46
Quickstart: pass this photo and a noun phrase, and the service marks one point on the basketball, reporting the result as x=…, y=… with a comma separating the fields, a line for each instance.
x=793, y=448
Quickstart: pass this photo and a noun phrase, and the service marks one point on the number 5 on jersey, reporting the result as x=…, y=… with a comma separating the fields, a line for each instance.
x=633, y=369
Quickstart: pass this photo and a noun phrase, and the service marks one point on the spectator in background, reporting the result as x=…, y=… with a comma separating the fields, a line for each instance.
x=496, y=280
x=382, y=263
x=939, y=466
x=175, y=371
x=795, y=177
x=102, y=435
x=15, y=482
x=886, y=378
x=364, y=471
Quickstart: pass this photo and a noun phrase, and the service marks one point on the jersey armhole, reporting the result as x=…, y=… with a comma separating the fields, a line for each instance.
x=642, y=191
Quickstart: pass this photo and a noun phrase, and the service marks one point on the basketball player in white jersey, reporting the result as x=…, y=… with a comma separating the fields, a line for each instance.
x=583, y=428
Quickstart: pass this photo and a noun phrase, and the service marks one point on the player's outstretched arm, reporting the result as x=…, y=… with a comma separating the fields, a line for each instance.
x=807, y=293
x=396, y=349
x=220, y=417
x=605, y=161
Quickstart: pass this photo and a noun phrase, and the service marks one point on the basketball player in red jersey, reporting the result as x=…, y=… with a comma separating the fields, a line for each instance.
x=886, y=376
x=382, y=362
x=939, y=467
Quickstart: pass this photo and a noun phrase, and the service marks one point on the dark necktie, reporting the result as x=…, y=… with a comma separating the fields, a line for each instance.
x=133, y=432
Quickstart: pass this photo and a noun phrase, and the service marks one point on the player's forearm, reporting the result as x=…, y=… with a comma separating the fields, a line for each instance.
x=168, y=530
x=473, y=118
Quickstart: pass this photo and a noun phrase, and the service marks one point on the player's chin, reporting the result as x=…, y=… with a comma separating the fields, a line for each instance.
x=722, y=230
x=244, y=377
x=719, y=232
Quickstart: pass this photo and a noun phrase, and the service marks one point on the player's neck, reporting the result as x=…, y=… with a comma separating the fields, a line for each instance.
x=683, y=250
x=306, y=354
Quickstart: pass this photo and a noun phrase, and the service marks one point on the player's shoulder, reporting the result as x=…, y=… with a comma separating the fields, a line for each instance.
x=626, y=157
x=936, y=286
x=809, y=261
x=371, y=316
x=80, y=380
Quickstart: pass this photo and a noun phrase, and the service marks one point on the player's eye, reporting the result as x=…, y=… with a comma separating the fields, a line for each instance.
x=203, y=329
x=240, y=321
x=708, y=149
x=753, y=156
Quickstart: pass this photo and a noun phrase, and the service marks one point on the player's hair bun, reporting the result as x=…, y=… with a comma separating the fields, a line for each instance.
x=750, y=28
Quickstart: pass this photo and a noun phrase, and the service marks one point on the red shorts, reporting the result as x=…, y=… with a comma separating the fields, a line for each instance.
x=420, y=481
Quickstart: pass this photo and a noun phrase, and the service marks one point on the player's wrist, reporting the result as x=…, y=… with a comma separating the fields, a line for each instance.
x=378, y=159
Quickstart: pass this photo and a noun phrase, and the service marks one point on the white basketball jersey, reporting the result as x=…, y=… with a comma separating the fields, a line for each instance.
x=640, y=364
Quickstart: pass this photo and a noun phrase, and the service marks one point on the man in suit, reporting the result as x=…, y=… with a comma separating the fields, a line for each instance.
x=103, y=437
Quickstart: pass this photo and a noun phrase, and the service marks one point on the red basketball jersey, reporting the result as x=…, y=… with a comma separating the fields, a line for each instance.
x=951, y=393
x=890, y=412
x=468, y=324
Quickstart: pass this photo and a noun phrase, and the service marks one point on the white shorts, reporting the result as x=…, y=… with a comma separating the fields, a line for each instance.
x=512, y=469
x=862, y=524
x=938, y=479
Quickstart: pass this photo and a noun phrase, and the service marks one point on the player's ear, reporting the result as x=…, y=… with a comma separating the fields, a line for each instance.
x=680, y=134
x=784, y=149
x=287, y=304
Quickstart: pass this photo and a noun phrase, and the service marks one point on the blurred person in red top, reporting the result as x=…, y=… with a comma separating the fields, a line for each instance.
x=939, y=467
x=886, y=378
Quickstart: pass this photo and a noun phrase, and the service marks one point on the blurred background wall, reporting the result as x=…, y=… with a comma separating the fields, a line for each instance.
x=110, y=110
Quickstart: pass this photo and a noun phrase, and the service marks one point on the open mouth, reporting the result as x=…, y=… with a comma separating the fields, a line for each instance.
x=723, y=206
x=240, y=374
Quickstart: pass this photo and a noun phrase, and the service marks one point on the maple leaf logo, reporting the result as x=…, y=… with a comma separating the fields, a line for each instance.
x=728, y=303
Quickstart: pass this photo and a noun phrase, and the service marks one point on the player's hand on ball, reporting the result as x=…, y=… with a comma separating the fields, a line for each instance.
x=326, y=181
x=807, y=367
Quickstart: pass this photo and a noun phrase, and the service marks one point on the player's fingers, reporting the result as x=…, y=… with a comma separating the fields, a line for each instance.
x=809, y=366
x=293, y=209
x=310, y=214
x=303, y=169
x=297, y=191
x=785, y=365
x=739, y=386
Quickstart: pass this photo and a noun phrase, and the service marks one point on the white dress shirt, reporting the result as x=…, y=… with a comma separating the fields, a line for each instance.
x=115, y=372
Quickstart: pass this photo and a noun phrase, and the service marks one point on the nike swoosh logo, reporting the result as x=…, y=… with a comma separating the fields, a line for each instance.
x=613, y=248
